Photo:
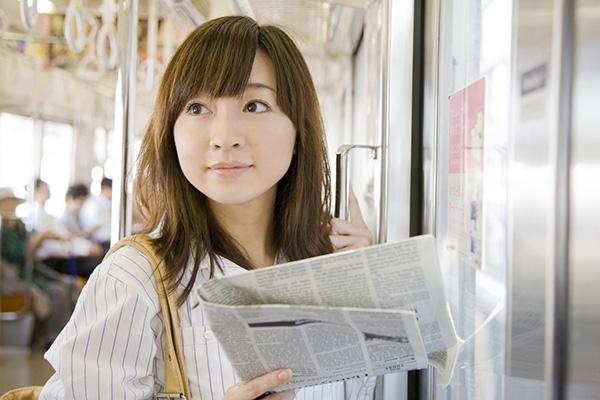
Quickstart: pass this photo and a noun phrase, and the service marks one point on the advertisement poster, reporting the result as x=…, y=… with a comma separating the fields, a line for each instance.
x=465, y=170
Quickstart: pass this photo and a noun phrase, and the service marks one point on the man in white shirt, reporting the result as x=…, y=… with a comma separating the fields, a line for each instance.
x=60, y=249
x=76, y=195
x=95, y=214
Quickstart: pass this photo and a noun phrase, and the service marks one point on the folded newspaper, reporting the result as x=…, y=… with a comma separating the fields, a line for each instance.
x=347, y=315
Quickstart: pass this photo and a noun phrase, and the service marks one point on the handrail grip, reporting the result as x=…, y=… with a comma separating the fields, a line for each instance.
x=342, y=180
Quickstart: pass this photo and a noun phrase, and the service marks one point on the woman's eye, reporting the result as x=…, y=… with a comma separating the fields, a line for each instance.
x=256, y=107
x=196, y=109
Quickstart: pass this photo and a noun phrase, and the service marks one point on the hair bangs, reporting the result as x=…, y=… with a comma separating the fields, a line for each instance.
x=221, y=58
x=225, y=71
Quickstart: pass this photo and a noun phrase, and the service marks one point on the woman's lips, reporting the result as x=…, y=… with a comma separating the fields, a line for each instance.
x=230, y=169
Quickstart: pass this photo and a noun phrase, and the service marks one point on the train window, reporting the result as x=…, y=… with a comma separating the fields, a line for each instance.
x=16, y=150
x=25, y=154
x=55, y=164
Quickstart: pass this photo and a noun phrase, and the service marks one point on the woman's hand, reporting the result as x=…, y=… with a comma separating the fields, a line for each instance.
x=353, y=234
x=257, y=387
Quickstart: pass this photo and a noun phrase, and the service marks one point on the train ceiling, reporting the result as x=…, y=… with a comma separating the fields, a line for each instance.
x=327, y=31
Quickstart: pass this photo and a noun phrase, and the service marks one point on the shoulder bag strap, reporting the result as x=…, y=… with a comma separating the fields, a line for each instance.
x=176, y=383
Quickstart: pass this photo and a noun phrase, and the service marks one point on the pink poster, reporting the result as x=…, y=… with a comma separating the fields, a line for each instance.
x=465, y=170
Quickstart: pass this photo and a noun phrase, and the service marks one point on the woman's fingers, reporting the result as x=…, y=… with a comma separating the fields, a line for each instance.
x=356, y=217
x=343, y=227
x=352, y=234
x=341, y=243
x=287, y=395
x=259, y=386
x=345, y=235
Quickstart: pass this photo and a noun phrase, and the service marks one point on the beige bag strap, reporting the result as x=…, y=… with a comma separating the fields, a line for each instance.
x=176, y=383
x=23, y=393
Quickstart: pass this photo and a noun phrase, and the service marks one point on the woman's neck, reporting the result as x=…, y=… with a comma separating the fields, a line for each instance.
x=252, y=227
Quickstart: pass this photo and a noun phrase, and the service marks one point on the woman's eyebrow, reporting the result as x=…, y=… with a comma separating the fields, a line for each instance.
x=254, y=85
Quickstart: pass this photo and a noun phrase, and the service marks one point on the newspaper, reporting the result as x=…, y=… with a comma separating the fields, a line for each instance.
x=347, y=315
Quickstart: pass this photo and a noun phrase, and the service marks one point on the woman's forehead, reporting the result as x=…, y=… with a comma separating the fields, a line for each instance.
x=225, y=77
x=263, y=73
x=261, y=77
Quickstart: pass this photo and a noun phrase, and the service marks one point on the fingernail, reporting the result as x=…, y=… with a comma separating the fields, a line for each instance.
x=284, y=375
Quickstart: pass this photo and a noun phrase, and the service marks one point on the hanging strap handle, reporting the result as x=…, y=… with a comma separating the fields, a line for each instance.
x=176, y=384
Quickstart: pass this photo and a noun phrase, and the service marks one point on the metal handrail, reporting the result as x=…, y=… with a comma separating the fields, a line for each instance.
x=342, y=180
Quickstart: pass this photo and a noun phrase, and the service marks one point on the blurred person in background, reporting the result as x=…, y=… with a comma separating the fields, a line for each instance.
x=53, y=294
x=58, y=248
x=76, y=195
x=95, y=214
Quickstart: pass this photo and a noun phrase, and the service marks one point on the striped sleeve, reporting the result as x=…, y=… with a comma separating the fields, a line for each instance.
x=108, y=348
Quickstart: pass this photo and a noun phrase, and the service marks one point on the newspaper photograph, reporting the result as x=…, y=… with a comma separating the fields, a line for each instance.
x=358, y=313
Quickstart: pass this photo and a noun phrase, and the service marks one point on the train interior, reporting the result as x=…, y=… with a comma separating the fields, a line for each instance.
x=473, y=120
x=57, y=109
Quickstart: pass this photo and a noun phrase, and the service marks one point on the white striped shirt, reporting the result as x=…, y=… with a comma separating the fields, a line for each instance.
x=112, y=347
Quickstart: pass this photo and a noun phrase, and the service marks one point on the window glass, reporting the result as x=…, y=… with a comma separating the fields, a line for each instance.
x=471, y=225
x=55, y=165
x=16, y=150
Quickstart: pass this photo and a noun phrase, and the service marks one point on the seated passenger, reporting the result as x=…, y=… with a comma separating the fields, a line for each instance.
x=53, y=293
x=74, y=198
x=59, y=248
x=95, y=214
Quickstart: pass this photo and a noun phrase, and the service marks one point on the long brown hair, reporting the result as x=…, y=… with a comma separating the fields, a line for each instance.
x=217, y=59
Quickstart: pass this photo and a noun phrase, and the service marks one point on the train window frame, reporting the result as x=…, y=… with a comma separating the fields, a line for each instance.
x=20, y=145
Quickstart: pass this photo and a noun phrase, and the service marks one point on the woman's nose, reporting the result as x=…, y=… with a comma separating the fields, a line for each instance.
x=227, y=130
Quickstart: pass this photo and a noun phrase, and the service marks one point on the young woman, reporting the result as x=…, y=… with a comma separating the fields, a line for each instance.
x=232, y=176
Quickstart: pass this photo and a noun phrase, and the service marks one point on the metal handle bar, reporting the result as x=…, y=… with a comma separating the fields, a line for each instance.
x=342, y=180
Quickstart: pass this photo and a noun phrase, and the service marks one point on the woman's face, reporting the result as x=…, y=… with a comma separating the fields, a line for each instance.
x=235, y=150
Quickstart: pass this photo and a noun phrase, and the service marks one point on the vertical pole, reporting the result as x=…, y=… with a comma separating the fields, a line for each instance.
x=127, y=26
x=386, y=13
x=427, y=378
x=152, y=38
x=558, y=296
